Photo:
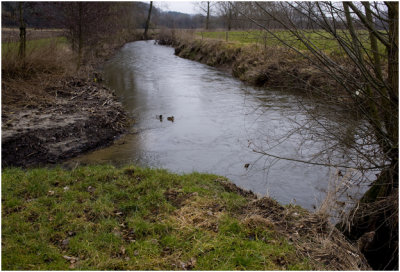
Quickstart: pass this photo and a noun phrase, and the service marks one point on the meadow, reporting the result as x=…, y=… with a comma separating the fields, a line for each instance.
x=11, y=47
x=107, y=218
x=319, y=38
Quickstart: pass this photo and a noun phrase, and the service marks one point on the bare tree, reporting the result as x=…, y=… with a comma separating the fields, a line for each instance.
x=22, y=33
x=226, y=10
x=87, y=24
x=148, y=21
x=206, y=8
x=364, y=65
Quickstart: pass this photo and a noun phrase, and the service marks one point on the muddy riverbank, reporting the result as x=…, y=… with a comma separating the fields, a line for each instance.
x=56, y=113
x=78, y=115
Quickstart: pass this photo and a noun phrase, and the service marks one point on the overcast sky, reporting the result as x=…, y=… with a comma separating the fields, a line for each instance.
x=180, y=6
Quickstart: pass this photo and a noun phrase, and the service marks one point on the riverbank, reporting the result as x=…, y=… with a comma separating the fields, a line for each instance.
x=50, y=110
x=107, y=218
x=76, y=115
x=262, y=66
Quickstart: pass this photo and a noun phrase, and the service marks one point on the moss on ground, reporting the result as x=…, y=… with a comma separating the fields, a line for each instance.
x=103, y=218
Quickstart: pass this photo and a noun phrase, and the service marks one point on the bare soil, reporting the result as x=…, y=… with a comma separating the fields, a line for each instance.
x=67, y=117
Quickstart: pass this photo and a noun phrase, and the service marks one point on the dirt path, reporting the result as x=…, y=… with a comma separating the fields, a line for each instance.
x=76, y=116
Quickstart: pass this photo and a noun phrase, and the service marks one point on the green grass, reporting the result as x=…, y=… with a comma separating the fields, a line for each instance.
x=31, y=45
x=107, y=218
x=319, y=39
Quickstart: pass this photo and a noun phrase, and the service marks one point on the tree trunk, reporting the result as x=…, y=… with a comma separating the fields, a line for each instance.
x=374, y=43
x=377, y=213
x=80, y=35
x=229, y=19
x=22, y=35
x=146, y=29
x=378, y=209
x=393, y=75
x=208, y=15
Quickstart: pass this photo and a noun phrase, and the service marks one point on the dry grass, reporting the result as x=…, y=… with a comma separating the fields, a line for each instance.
x=310, y=233
x=25, y=81
x=49, y=56
x=198, y=214
x=334, y=204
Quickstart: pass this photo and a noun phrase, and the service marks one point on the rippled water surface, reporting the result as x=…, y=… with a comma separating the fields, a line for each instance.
x=216, y=119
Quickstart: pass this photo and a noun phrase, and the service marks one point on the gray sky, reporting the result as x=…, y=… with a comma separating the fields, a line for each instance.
x=180, y=6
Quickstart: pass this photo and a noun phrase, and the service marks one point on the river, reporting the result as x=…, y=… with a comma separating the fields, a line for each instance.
x=218, y=121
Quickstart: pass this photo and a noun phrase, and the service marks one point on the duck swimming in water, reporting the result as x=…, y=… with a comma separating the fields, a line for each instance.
x=171, y=118
x=159, y=117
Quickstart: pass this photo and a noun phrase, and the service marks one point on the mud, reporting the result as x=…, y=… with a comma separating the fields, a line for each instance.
x=78, y=115
x=230, y=187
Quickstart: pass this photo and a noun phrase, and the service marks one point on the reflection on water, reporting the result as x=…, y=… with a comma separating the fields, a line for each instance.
x=216, y=119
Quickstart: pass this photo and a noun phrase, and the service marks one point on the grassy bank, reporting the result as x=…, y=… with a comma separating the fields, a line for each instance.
x=261, y=38
x=104, y=218
x=271, y=66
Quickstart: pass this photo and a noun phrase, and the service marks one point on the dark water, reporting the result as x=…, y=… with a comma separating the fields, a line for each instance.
x=216, y=119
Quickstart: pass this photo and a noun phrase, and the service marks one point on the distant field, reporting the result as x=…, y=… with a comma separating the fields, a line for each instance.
x=320, y=39
x=31, y=45
x=12, y=34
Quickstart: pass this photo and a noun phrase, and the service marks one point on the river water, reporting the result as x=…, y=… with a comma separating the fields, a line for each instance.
x=218, y=121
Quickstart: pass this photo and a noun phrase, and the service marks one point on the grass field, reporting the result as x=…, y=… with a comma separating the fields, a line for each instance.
x=320, y=39
x=42, y=56
x=31, y=45
x=104, y=218
x=12, y=34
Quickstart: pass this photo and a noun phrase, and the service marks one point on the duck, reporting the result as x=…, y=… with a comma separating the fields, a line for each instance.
x=170, y=118
x=247, y=165
x=159, y=117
